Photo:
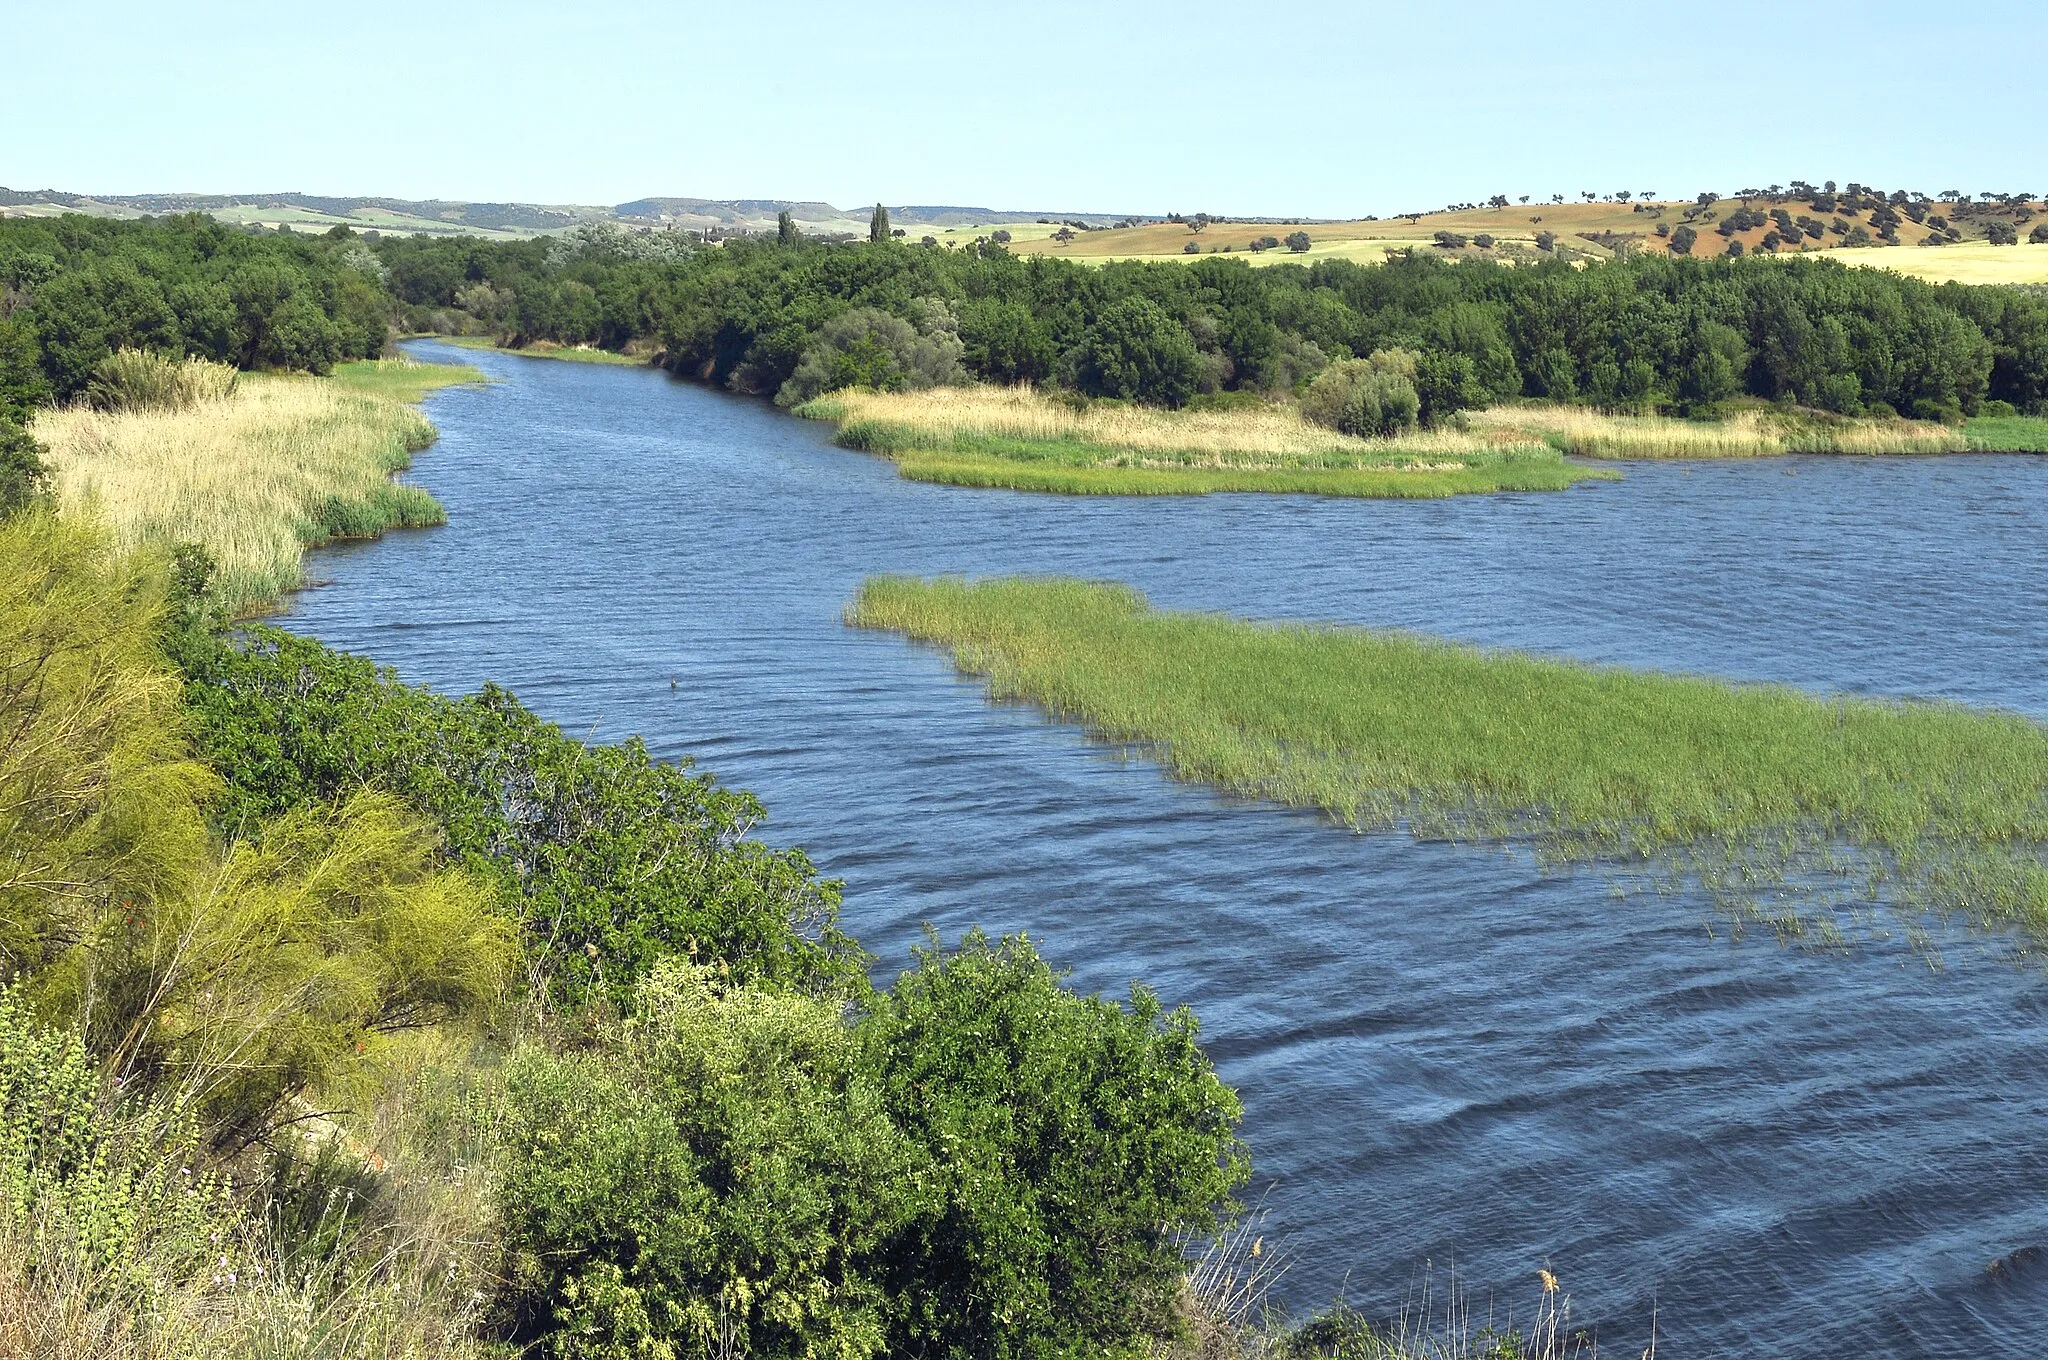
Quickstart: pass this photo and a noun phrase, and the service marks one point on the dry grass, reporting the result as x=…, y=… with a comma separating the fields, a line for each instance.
x=255, y=477
x=1587, y=433
x=1269, y=437
x=1020, y=439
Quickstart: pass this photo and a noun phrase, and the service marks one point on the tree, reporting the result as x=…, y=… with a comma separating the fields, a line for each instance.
x=1137, y=350
x=1298, y=242
x=785, y=228
x=1372, y=398
x=2039, y=235
x=1483, y=240
x=878, y=225
x=1546, y=240
x=2001, y=234
x=1682, y=240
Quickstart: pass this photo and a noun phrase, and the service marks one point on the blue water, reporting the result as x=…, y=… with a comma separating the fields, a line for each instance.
x=1446, y=1055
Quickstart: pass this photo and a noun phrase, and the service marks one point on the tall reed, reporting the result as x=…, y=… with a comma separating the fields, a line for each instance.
x=256, y=476
x=1586, y=433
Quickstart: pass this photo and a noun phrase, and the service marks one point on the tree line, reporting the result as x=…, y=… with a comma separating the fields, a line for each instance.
x=1683, y=335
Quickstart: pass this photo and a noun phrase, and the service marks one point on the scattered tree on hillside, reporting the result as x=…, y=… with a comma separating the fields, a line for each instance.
x=1483, y=240
x=2001, y=233
x=1000, y=236
x=1297, y=241
x=2039, y=235
x=1450, y=240
x=1546, y=240
x=1682, y=240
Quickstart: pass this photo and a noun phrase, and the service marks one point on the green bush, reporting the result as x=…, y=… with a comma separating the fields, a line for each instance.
x=1135, y=350
x=1373, y=398
x=1074, y=1143
x=608, y=858
x=724, y=1174
x=23, y=474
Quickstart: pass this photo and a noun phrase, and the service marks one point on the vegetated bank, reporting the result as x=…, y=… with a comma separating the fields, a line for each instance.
x=1025, y=440
x=256, y=470
x=1783, y=804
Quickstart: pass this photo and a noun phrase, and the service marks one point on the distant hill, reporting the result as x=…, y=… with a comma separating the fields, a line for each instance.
x=318, y=212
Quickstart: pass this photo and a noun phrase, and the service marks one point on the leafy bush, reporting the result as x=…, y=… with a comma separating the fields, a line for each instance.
x=608, y=859
x=1073, y=1142
x=1191, y=248
x=23, y=474
x=870, y=348
x=2001, y=233
x=1373, y=398
x=1449, y=240
x=139, y=380
x=1546, y=240
x=1682, y=240
x=1483, y=240
x=110, y=1188
x=723, y=1177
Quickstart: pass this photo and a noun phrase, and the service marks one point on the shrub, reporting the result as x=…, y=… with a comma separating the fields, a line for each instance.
x=1372, y=398
x=140, y=380
x=1546, y=240
x=1191, y=248
x=2039, y=235
x=1682, y=240
x=1073, y=1143
x=1483, y=240
x=608, y=859
x=2001, y=233
x=870, y=348
x=1735, y=248
x=1449, y=240
x=23, y=474
x=723, y=1176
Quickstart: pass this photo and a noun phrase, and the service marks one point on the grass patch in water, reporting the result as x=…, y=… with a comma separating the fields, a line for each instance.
x=1023, y=440
x=1773, y=799
x=2007, y=434
x=544, y=349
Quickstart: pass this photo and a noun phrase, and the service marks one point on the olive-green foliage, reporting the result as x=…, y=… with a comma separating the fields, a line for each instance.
x=870, y=348
x=98, y=800
x=233, y=975
x=334, y=923
x=141, y=380
x=1073, y=1143
x=608, y=859
x=1373, y=398
x=724, y=1170
x=1749, y=787
x=110, y=1185
x=181, y=285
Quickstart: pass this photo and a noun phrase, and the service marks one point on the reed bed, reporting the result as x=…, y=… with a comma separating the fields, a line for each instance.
x=1774, y=799
x=255, y=477
x=1017, y=438
x=1585, y=433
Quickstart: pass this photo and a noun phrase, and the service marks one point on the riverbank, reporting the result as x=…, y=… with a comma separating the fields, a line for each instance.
x=1020, y=439
x=281, y=464
x=543, y=349
x=1751, y=790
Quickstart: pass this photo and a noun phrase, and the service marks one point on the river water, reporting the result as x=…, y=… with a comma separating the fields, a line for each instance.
x=1454, y=1065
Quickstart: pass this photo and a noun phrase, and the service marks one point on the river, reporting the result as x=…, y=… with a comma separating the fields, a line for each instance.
x=1454, y=1065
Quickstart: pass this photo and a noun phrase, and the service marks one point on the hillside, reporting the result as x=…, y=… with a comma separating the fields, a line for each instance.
x=512, y=221
x=1933, y=238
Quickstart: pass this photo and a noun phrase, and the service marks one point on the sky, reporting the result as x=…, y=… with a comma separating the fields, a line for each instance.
x=1311, y=108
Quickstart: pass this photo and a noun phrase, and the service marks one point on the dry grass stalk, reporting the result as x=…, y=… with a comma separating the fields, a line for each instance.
x=1746, y=434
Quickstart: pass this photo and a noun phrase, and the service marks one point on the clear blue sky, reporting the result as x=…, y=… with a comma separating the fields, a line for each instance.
x=1313, y=107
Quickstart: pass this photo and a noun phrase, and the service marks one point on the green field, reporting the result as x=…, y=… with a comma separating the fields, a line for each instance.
x=1777, y=801
x=2007, y=434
